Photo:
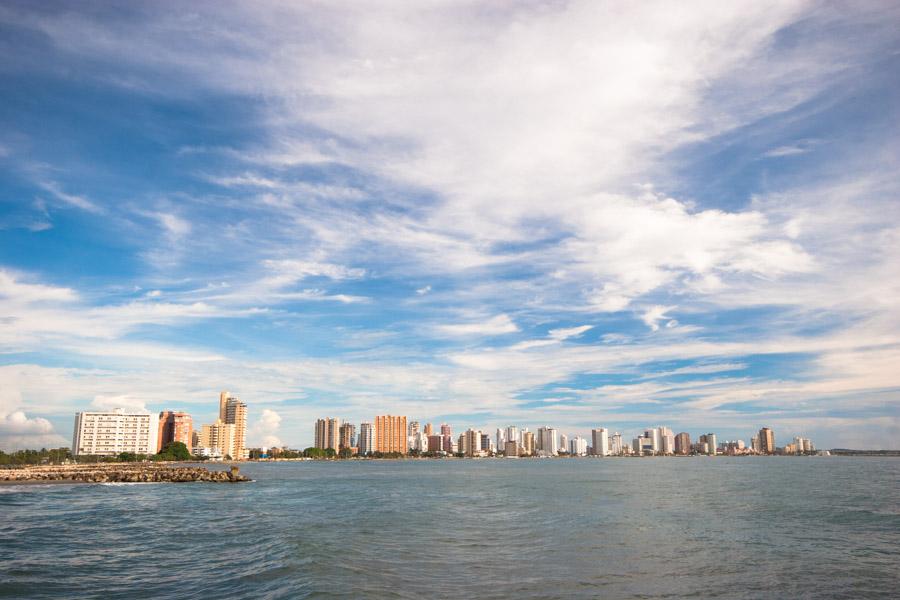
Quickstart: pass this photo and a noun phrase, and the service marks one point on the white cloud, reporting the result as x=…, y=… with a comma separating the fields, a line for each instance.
x=120, y=401
x=13, y=288
x=653, y=315
x=71, y=199
x=497, y=325
x=18, y=431
x=568, y=332
x=265, y=431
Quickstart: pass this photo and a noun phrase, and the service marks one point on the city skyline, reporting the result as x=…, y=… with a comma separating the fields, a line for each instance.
x=576, y=213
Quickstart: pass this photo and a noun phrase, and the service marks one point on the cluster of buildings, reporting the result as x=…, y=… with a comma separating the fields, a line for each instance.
x=112, y=432
x=396, y=434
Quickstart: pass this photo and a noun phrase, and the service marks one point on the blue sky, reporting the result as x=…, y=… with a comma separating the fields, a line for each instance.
x=577, y=214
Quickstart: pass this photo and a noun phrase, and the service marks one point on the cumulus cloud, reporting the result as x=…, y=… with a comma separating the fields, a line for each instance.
x=265, y=431
x=18, y=431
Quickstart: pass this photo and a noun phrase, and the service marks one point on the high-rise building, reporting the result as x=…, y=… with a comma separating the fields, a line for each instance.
x=445, y=429
x=528, y=445
x=485, y=442
x=108, y=433
x=512, y=434
x=667, y=441
x=346, y=435
x=391, y=434
x=366, y=439
x=655, y=442
x=547, y=440
x=563, y=443
x=511, y=448
x=233, y=411
x=436, y=443
x=683, y=443
x=712, y=444
x=220, y=439
x=501, y=439
x=600, y=442
x=328, y=434
x=174, y=427
x=471, y=442
x=754, y=443
x=616, y=446
x=766, y=441
x=578, y=446
x=413, y=427
x=429, y=429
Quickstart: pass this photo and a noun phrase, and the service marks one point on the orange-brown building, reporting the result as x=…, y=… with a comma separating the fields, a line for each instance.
x=390, y=434
x=174, y=427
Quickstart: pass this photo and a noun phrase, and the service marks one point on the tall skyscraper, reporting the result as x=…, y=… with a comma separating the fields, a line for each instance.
x=328, y=434
x=600, y=442
x=471, y=442
x=174, y=427
x=766, y=441
x=683, y=443
x=413, y=428
x=233, y=411
x=429, y=429
x=667, y=441
x=347, y=435
x=547, y=440
x=391, y=434
x=108, y=433
x=578, y=446
x=616, y=445
x=220, y=439
x=655, y=441
x=713, y=443
x=528, y=445
x=512, y=434
x=501, y=439
x=366, y=439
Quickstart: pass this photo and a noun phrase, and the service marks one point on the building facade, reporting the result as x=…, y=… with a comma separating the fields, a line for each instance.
x=766, y=441
x=328, y=435
x=347, y=435
x=366, y=441
x=174, y=427
x=220, y=439
x=108, y=433
x=391, y=434
x=683, y=443
x=600, y=442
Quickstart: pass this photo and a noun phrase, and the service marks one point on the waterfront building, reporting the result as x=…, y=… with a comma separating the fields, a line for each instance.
x=366, y=442
x=754, y=443
x=219, y=438
x=600, y=442
x=501, y=439
x=328, y=434
x=528, y=445
x=436, y=443
x=233, y=411
x=547, y=440
x=390, y=434
x=803, y=445
x=418, y=442
x=174, y=427
x=655, y=442
x=445, y=429
x=429, y=429
x=766, y=441
x=109, y=433
x=346, y=435
x=511, y=448
x=471, y=442
x=711, y=442
x=667, y=441
x=578, y=446
x=563, y=443
x=683, y=443
x=413, y=428
x=512, y=434
x=637, y=446
x=616, y=446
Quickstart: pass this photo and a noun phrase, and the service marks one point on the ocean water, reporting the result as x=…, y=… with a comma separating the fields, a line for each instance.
x=815, y=527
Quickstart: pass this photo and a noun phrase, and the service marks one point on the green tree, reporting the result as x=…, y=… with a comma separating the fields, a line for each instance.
x=174, y=451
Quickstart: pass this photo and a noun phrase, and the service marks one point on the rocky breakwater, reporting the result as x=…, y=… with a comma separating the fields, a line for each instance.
x=118, y=473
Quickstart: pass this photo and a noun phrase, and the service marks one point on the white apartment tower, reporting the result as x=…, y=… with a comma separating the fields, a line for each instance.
x=366, y=440
x=108, y=433
x=600, y=441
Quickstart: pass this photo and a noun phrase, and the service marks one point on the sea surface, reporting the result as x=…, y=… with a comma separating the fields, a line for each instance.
x=763, y=527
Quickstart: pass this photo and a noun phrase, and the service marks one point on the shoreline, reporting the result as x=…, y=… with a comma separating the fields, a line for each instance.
x=118, y=473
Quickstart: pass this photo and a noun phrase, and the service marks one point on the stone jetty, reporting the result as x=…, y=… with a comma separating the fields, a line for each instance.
x=118, y=473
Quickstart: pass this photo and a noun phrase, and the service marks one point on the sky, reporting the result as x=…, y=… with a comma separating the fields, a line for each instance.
x=578, y=214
